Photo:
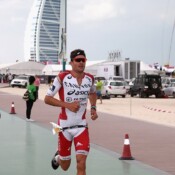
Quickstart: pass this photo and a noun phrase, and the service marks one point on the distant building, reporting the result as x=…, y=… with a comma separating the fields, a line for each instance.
x=127, y=68
x=43, y=35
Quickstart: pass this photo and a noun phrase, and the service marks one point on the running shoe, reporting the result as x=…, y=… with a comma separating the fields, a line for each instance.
x=54, y=162
x=29, y=120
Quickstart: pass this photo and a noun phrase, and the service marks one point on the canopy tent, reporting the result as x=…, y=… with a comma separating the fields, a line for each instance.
x=28, y=68
x=54, y=69
x=146, y=68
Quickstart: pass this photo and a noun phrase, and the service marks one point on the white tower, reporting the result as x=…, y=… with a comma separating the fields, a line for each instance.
x=42, y=42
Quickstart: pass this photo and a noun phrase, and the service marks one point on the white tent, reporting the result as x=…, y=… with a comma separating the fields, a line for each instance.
x=54, y=69
x=145, y=68
x=28, y=68
x=92, y=66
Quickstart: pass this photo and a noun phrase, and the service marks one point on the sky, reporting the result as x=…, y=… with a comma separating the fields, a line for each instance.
x=139, y=29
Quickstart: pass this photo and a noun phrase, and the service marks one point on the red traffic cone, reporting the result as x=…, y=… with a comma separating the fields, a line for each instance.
x=12, y=109
x=126, y=150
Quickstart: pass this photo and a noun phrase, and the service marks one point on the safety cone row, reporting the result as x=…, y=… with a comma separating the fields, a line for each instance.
x=12, y=108
x=126, y=155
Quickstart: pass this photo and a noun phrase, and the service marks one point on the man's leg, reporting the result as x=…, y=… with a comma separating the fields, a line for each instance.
x=65, y=164
x=101, y=97
x=62, y=156
x=82, y=148
x=29, y=105
x=56, y=162
x=81, y=164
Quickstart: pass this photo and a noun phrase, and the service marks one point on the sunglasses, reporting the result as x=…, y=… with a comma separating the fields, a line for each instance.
x=80, y=60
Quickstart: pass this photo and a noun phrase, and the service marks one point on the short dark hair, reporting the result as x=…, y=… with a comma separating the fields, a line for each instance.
x=76, y=52
x=31, y=80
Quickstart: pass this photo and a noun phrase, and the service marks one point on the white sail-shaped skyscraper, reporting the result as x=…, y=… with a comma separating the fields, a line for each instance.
x=45, y=31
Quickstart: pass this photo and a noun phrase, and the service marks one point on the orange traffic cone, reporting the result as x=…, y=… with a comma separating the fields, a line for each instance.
x=126, y=150
x=12, y=109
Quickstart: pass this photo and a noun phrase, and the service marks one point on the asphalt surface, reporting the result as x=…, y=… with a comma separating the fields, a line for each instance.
x=151, y=144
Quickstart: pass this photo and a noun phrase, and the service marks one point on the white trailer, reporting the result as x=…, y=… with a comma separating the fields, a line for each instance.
x=127, y=69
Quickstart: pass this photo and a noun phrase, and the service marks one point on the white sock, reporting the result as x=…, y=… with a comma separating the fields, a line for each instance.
x=57, y=158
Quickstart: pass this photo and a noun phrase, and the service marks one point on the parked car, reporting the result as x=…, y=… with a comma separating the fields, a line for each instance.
x=170, y=90
x=166, y=81
x=127, y=86
x=99, y=77
x=146, y=85
x=20, y=81
x=119, y=78
x=105, y=95
x=114, y=88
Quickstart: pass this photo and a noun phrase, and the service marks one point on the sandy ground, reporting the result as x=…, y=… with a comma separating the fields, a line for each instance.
x=160, y=111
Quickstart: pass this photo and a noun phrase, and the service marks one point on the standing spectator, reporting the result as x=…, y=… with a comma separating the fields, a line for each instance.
x=32, y=98
x=6, y=78
x=74, y=88
x=10, y=78
x=99, y=87
x=37, y=84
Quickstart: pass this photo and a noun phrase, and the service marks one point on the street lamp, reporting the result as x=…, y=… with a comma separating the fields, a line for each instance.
x=63, y=40
x=62, y=53
x=64, y=48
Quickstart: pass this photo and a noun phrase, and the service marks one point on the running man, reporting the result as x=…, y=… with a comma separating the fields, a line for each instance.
x=74, y=88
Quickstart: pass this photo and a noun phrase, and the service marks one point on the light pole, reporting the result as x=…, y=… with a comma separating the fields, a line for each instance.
x=171, y=42
x=64, y=49
x=64, y=44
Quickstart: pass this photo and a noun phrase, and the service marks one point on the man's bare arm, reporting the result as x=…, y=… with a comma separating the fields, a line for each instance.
x=93, y=98
x=54, y=102
x=74, y=106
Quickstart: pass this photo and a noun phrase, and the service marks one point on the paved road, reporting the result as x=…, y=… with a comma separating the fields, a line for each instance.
x=151, y=144
x=27, y=148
